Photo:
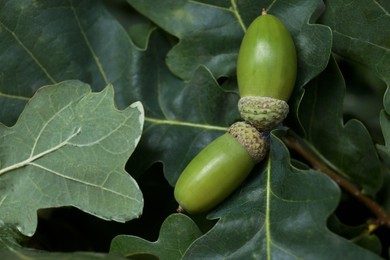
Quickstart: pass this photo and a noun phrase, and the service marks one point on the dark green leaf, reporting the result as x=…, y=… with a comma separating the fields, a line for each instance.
x=370, y=242
x=362, y=34
x=181, y=117
x=140, y=34
x=348, y=147
x=361, y=30
x=366, y=43
x=281, y=213
x=69, y=147
x=177, y=233
x=384, y=150
x=360, y=235
x=210, y=34
x=45, y=42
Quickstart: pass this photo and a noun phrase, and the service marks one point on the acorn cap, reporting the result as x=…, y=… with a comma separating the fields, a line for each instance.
x=251, y=139
x=264, y=113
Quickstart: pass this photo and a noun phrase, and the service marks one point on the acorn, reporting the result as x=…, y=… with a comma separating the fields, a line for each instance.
x=220, y=168
x=266, y=72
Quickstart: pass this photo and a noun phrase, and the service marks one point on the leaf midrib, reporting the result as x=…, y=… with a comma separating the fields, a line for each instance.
x=184, y=124
x=361, y=40
x=24, y=47
x=83, y=182
x=40, y=65
x=89, y=45
x=32, y=158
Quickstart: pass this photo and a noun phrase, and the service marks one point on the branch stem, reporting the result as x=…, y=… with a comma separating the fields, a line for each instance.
x=293, y=142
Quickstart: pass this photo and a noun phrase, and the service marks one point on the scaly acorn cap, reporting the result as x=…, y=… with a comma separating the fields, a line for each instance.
x=251, y=139
x=264, y=113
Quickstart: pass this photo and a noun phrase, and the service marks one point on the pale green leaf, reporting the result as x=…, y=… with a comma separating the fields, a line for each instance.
x=69, y=147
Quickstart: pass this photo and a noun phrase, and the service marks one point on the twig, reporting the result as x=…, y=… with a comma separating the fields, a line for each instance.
x=293, y=142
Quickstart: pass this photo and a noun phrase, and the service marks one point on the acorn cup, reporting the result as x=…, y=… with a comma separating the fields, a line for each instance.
x=266, y=72
x=220, y=168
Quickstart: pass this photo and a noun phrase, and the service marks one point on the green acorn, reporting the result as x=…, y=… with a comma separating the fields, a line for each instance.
x=220, y=168
x=266, y=72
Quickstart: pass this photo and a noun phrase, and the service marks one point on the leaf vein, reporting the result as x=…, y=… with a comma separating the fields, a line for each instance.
x=184, y=124
x=268, y=210
x=81, y=181
x=89, y=45
x=382, y=8
x=97, y=141
x=14, y=96
x=362, y=41
x=3, y=199
x=32, y=56
x=45, y=125
x=35, y=157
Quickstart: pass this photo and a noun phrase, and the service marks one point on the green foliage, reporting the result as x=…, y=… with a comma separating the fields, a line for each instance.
x=284, y=209
x=176, y=235
x=348, y=147
x=66, y=65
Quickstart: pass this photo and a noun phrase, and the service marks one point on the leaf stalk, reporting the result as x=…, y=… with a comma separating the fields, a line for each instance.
x=237, y=14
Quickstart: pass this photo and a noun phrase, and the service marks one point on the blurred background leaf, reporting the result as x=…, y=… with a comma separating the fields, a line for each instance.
x=360, y=32
x=346, y=147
